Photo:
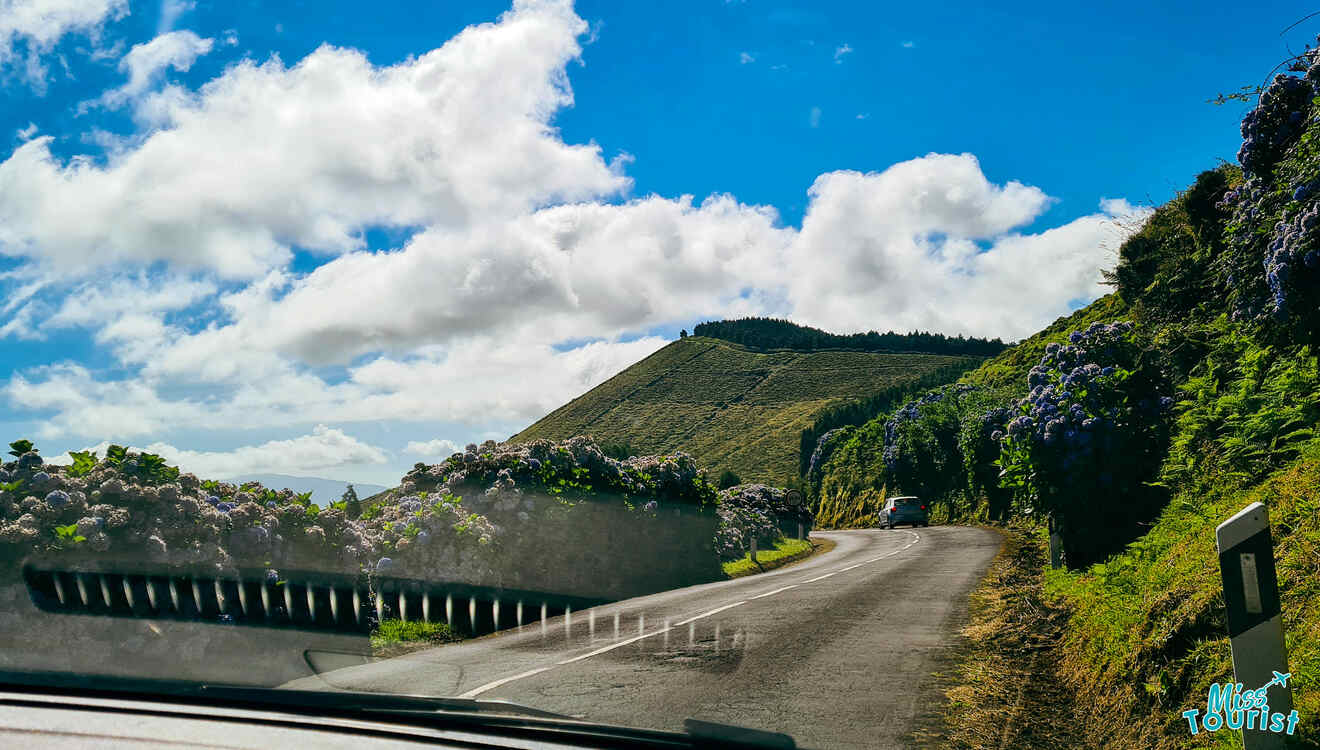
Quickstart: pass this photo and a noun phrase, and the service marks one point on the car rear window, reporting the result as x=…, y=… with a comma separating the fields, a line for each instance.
x=907, y=502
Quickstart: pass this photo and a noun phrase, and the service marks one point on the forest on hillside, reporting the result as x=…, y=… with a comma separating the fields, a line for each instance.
x=774, y=333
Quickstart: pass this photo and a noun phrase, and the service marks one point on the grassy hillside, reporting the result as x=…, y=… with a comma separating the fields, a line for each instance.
x=728, y=406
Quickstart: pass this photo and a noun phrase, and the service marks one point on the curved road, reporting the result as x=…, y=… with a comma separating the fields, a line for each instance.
x=836, y=651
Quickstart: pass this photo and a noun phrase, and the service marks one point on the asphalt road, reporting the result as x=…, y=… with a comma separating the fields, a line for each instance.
x=837, y=651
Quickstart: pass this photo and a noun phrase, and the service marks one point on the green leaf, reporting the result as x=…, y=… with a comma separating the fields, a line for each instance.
x=19, y=447
x=83, y=463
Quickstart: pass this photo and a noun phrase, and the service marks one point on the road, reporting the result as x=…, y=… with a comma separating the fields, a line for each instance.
x=836, y=651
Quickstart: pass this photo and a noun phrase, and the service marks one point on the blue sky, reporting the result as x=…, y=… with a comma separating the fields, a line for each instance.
x=412, y=238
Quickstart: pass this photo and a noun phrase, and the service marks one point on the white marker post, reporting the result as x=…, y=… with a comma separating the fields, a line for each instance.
x=1255, y=628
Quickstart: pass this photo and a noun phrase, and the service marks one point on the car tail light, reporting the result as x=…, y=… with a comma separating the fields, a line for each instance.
x=923, y=507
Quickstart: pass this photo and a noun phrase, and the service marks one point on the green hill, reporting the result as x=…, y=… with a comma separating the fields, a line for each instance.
x=729, y=406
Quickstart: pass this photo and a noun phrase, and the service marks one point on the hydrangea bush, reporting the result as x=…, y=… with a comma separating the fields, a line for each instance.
x=1082, y=445
x=1271, y=268
x=921, y=455
x=755, y=511
x=552, y=516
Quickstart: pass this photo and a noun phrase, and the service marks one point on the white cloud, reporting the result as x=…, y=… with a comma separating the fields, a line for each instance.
x=572, y=271
x=813, y=117
x=842, y=50
x=36, y=26
x=437, y=448
x=146, y=62
x=745, y=58
x=482, y=382
x=324, y=448
x=25, y=134
x=457, y=135
x=929, y=244
x=863, y=115
x=908, y=44
x=170, y=11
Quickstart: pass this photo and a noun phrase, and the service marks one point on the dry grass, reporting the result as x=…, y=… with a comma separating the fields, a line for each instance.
x=1003, y=689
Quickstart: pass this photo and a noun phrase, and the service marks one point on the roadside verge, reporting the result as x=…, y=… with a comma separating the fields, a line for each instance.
x=1002, y=687
x=786, y=552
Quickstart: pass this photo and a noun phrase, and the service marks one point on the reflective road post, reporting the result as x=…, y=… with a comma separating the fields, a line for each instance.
x=1255, y=628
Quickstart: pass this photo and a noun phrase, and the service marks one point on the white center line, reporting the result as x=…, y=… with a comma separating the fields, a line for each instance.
x=474, y=692
x=776, y=591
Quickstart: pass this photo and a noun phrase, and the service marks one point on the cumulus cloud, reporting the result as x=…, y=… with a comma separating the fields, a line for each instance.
x=37, y=25
x=929, y=244
x=572, y=271
x=246, y=167
x=145, y=63
x=437, y=448
x=745, y=58
x=840, y=51
x=324, y=448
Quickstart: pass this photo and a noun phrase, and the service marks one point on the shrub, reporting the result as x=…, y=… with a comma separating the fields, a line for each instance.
x=1085, y=441
x=754, y=511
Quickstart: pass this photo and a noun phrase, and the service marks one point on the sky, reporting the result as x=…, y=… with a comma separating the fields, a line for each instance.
x=336, y=239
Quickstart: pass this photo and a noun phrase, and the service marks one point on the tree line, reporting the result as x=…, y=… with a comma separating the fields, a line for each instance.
x=774, y=333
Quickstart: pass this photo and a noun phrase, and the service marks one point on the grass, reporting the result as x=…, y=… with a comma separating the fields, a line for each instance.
x=1147, y=634
x=785, y=552
x=727, y=406
x=394, y=637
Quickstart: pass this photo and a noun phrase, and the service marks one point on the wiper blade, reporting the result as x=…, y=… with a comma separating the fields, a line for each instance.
x=362, y=701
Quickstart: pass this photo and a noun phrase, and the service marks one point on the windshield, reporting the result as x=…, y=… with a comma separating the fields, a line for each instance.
x=878, y=375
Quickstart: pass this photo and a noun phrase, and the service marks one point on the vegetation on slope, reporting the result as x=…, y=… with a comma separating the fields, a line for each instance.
x=728, y=407
x=1222, y=285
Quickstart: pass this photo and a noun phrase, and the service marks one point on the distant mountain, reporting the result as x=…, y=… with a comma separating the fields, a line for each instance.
x=323, y=490
x=730, y=406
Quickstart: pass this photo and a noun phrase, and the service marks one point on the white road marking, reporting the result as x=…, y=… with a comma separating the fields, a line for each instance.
x=497, y=683
x=776, y=591
x=474, y=692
